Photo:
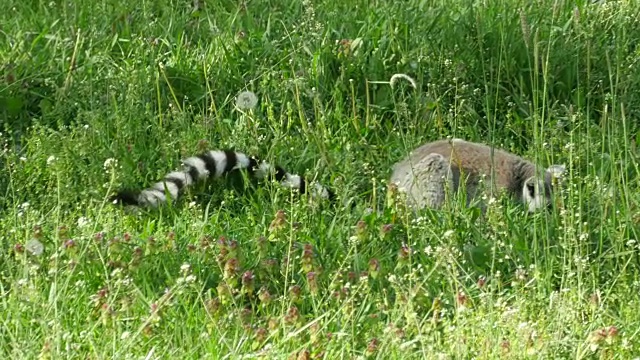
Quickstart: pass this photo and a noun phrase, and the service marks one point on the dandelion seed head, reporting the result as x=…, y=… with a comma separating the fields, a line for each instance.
x=557, y=170
x=246, y=100
x=35, y=247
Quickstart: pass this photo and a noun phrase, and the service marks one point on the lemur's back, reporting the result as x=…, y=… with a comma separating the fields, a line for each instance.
x=431, y=169
x=472, y=159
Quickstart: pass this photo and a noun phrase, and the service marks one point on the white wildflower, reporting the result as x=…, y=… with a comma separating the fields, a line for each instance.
x=116, y=272
x=82, y=222
x=184, y=268
x=110, y=163
x=246, y=100
x=35, y=247
x=448, y=233
x=395, y=78
x=428, y=250
x=353, y=240
x=50, y=160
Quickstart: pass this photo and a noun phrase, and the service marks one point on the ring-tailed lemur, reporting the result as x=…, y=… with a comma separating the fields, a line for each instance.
x=431, y=169
x=214, y=164
x=425, y=175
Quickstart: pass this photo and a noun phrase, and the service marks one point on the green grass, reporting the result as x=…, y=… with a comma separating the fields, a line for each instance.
x=148, y=83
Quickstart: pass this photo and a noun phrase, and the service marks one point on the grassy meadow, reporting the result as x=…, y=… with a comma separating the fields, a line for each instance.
x=100, y=96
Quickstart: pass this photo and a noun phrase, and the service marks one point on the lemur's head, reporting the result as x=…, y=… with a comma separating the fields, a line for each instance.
x=537, y=190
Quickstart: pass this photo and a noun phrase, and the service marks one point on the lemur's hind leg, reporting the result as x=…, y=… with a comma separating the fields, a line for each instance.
x=426, y=182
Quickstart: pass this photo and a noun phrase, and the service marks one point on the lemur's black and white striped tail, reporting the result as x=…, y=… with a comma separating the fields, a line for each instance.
x=215, y=163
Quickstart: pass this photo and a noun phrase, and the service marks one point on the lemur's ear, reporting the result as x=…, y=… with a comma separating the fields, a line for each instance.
x=556, y=171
